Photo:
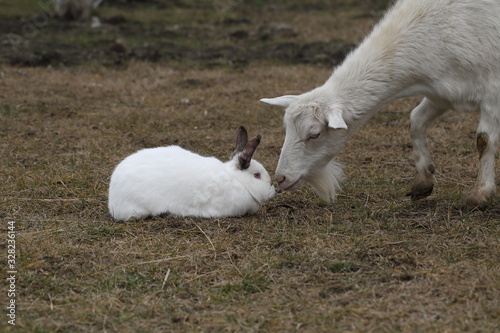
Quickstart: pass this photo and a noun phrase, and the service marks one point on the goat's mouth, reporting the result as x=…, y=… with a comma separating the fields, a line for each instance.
x=287, y=186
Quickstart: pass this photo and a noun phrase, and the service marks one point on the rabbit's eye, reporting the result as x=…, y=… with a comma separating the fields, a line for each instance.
x=257, y=175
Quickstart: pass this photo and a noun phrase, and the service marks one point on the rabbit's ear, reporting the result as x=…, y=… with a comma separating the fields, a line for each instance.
x=245, y=156
x=241, y=140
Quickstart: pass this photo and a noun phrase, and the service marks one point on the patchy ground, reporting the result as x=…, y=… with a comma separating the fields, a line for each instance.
x=373, y=261
x=227, y=33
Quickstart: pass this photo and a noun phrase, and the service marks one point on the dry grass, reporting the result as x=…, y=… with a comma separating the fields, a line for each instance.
x=372, y=262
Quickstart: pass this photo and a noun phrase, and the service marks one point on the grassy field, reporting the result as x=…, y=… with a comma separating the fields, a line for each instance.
x=372, y=262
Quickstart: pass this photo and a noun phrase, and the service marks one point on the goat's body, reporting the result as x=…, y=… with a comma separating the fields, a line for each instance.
x=75, y=9
x=445, y=50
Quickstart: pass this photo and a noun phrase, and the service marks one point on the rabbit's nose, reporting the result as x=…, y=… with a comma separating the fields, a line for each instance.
x=280, y=178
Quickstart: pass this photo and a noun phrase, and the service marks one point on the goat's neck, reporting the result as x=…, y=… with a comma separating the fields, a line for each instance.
x=368, y=80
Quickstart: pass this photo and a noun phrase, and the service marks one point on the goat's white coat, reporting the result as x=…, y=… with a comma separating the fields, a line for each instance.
x=75, y=9
x=445, y=50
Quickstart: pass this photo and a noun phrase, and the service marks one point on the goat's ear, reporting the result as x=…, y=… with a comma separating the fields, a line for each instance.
x=283, y=101
x=335, y=120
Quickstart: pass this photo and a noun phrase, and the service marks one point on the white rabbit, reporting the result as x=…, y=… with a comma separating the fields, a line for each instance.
x=173, y=180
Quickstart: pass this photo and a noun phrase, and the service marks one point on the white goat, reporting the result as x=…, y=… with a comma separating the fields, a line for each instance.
x=445, y=50
x=75, y=9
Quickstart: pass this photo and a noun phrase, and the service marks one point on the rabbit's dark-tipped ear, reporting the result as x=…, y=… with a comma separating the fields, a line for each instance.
x=244, y=148
x=241, y=140
x=245, y=157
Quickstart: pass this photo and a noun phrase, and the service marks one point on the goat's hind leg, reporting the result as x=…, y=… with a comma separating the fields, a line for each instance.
x=487, y=141
x=421, y=118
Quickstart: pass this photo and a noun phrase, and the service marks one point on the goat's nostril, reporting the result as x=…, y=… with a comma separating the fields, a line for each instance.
x=280, y=179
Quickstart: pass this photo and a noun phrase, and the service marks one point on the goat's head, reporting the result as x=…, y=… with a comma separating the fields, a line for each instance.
x=315, y=134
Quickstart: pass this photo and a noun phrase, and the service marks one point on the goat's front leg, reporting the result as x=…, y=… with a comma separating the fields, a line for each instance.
x=487, y=141
x=421, y=118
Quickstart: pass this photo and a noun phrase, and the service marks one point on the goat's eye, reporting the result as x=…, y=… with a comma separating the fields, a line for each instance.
x=257, y=175
x=313, y=136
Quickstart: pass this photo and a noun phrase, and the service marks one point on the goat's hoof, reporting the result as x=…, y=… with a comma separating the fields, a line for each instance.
x=474, y=201
x=418, y=193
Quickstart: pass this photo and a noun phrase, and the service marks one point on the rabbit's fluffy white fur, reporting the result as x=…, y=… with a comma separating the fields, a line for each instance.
x=173, y=180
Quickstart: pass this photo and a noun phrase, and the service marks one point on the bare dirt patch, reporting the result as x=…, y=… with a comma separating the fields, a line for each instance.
x=208, y=34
